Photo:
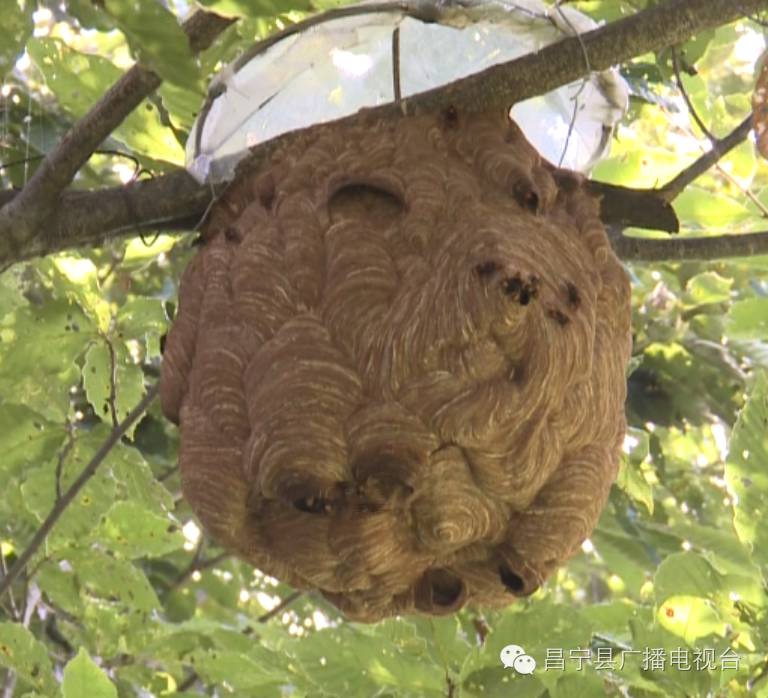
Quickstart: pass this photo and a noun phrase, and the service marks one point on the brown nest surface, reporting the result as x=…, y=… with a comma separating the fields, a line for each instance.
x=398, y=365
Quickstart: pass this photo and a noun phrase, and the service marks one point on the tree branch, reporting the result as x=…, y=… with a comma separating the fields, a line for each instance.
x=23, y=218
x=720, y=148
x=176, y=201
x=66, y=499
x=171, y=202
x=637, y=208
x=633, y=249
x=657, y=27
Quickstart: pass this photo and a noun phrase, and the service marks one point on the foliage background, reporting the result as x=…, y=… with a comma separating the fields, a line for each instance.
x=126, y=598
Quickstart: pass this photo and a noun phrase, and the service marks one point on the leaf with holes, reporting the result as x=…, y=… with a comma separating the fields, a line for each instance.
x=22, y=653
x=133, y=531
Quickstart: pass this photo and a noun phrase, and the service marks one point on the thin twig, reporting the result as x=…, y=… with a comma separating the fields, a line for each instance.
x=715, y=142
x=68, y=497
x=61, y=457
x=585, y=80
x=396, y=70
x=686, y=98
x=112, y=399
x=188, y=682
x=99, y=151
x=719, y=149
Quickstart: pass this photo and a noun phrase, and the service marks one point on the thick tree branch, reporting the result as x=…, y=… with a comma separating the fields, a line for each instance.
x=636, y=208
x=668, y=23
x=22, y=219
x=172, y=202
x=175, y=201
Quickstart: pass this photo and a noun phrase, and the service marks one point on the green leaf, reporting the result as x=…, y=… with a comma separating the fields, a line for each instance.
x=22, y=653
x=34, y=374
x=78, y=520
x=15, y=29
x=60, y=587
x=689, y=617
x=256, y=8
x=144, y=319
x=26, y=439
x=117, y=585
x=536, y=628
x=686, y=573
x=748, y=319
x=708, y=287
x=336, y=660
x=83, y=678
x=133, y=531
x=746, y=473
x=89, y=15
x=76, y=279
x=158, y=40
x=136, y=482
x=697, y=207
x=630, y=480
x=238, y=671
x=578, y=686
x=78, y=80
x=445, y=643
x=625, y=555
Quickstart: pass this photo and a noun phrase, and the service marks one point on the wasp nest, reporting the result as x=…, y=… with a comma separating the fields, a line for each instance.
x=398, y=365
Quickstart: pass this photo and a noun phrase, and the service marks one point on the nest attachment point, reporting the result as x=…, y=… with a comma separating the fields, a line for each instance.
x=398, y=365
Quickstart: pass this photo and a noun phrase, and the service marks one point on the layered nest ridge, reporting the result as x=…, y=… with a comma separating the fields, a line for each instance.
x=398, y=365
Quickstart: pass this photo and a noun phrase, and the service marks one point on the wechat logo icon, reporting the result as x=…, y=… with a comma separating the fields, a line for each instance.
x=514, y=657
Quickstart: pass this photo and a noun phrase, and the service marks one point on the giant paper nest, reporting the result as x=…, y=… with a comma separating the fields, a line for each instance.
x=398, y=365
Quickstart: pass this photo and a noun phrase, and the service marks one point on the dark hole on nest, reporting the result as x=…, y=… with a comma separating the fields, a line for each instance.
x=574, y=299
x=361, y=200
x=232, y=234
x=451, y=117
x=512, y=581
x=439, y=588
x=486, y=268
x=526, y=196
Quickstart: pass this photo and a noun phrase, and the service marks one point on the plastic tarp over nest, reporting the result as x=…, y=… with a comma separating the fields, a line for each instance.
x=398, y=365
